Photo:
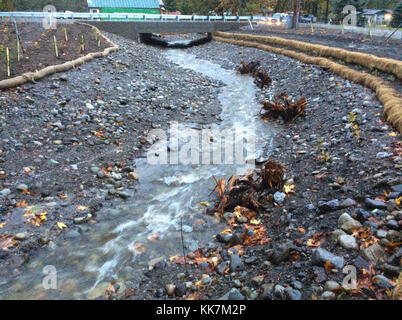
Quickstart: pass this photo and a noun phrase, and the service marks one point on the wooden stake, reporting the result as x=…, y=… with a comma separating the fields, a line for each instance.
x=18, y=50
x=55, y=46
x=65, y=34
x=8, y=62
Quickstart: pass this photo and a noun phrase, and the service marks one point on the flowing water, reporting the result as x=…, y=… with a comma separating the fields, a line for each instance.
x=148, y=225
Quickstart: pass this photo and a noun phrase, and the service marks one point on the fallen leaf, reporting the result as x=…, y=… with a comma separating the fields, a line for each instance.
x=204, y=203
x=61, y=225
x=255, y=221
x=288, y=189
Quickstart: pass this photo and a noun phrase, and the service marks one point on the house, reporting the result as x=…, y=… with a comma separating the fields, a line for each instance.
x=377, y=16
x=125, y=6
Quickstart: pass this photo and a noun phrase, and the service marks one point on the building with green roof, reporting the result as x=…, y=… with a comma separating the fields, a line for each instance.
x=124, y=6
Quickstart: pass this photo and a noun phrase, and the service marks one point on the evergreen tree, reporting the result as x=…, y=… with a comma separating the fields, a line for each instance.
x=397, y=16
x=170, y=5
x=338, y=6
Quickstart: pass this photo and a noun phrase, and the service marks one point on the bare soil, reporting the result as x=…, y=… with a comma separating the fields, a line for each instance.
x=38, y=49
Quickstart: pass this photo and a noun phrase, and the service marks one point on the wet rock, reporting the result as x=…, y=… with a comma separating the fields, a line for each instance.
x=331, y=285
x=281, y=252
x=328, y=295
x=279, y=197
x=397, y=188
x=279, y=291
x=21, y=187
x=362, y=215
x=293, y=294
x=236, y=264
x=328, y=206
x=153, y=262
x=258, y=280
x=124, y=194
x=347, y=203
x=267, y=290
x=373, y=253
x=224, y=238
x=5, y=192
x=297, y=285
x=375, y=204
x=348, y=242
x=351, y=225
x=383, y=155
x=382, y=282
x=392, y=224
x=72, y=234
x=336, y=234
x=319, y=274
x=320, y=256
x=381, y=233
x=235, y=294
x=222, y=267
x=180, y=289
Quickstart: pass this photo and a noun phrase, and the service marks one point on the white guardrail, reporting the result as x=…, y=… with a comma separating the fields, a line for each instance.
x=124, y=16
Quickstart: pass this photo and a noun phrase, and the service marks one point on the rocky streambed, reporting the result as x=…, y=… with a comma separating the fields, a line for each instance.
x=67, y=150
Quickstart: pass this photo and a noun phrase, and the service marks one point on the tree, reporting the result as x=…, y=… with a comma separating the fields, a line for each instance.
x=6, y=5
x=170, y=5
x=338, y=6
x=397, y=16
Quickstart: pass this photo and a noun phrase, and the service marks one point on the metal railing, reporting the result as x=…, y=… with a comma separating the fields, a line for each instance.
x=123, y=16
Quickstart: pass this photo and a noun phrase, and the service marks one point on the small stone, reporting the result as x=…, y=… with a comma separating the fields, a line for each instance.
x=258, y=280
x=279, y=291
x=347, y=203
x=134, y=176
x=281, y=252
x=328, y=295
x=94, y=169
x=21, y=187
x=397, y=188
x=336, y=234
x=331, y=285
x=236, y=264
x=348, y=242
x=170, y=289
x=21, y=236
x=382, y=282
x=179, y=290
x=235, y=294
x=321, y=256
x=5, y=192
x=381, y=233
x=392, y=224
x=373, y=253
x=351, y=225
x=279, y=197
x=383, y=155
x=332, y=205
x=375, y=204
x=293, y=294
x=344, y=217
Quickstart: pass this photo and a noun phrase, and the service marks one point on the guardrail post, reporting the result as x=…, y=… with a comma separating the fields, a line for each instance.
x=238, y=19
x=209, y=18
x=192, y=18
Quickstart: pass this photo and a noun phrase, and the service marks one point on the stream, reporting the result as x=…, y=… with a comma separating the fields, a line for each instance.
x=148, y=225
